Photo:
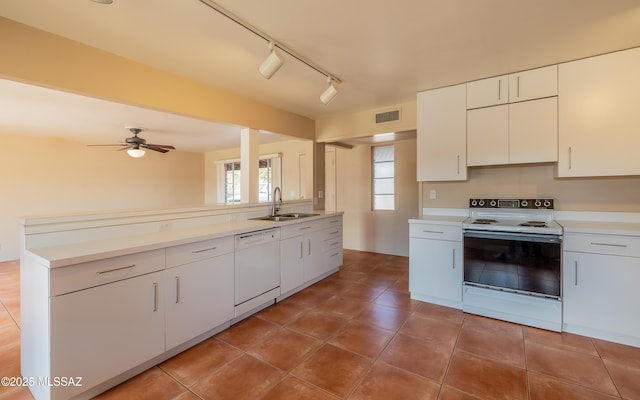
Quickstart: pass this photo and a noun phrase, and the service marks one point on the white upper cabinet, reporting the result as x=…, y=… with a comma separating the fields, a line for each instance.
x=520, y=86
x=488, y=136
x=533, y=131
x=533, y=84
x=599, y=119
x=442, y=134
x=488, y=92
x=518, y=133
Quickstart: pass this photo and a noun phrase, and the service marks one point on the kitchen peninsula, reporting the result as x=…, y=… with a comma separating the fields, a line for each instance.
x=106, y=296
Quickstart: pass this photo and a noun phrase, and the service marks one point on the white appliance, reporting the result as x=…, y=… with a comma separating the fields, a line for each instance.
x=513, y=262
x=257, y=269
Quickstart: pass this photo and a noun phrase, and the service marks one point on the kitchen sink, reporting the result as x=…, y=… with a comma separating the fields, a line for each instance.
x=285, y=217
x=298, y=215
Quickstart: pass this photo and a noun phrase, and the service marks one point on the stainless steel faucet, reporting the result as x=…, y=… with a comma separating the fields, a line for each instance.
x=275, y=208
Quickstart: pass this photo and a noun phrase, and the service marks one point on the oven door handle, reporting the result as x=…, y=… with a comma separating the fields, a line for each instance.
x=523, y=237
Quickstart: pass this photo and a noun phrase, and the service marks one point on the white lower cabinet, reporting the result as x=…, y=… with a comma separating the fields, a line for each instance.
x=101, y=332
x=199, y=297
x=308, y=251
x=435, y=264
x=600, y=293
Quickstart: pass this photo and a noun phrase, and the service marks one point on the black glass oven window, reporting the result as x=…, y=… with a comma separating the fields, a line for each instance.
x=525, y=266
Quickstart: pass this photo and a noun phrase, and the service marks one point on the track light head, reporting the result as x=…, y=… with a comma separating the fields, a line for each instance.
x=330, y=93
x=272, y=64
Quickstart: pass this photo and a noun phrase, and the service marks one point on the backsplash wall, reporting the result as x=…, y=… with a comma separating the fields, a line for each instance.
x=620, y=194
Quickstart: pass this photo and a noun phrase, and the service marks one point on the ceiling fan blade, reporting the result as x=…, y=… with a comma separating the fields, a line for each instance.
x=154, y=148
x=161, y=145
x=120, y=144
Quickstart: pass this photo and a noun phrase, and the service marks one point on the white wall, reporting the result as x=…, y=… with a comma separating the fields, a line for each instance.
x=376, y=231
x=49, y=176
x=294, y=186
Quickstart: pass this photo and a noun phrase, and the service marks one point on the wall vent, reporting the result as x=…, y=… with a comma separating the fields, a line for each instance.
x=388, y=116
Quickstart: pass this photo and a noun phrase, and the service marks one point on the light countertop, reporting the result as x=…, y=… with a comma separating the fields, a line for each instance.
x=64, y=255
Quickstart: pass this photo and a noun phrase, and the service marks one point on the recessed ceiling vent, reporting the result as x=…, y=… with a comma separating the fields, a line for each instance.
x=388, y=116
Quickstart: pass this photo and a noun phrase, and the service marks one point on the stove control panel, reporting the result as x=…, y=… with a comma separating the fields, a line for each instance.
x=512, y=203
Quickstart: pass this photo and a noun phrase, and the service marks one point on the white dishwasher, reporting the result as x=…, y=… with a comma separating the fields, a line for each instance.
x=257, y=269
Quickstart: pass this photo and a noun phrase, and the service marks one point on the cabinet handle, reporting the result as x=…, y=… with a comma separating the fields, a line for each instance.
x=335, y=254
x=334, y=243
x=427, y=231
x=309, y=243
x=333, y=233
x=177, y=289
x=304, y=227
x=569, y=157
x=155, y=297
x=575, y=283
x=608, y=244
x=518, y=86
x=499, y=87
x=203, y=250
x=453, y=258
x=301, y=245
x=115, y=269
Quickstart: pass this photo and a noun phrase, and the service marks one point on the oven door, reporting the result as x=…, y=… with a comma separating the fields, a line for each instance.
x=515, y=262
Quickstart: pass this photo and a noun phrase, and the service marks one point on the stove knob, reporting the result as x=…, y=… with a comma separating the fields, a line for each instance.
x=524, y=204
x=538, y=203
x=481, y=203
x=547, y=203
x=493, y=203
x=474, y=203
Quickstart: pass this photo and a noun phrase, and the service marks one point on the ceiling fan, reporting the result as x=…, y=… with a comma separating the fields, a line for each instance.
x=135, y=145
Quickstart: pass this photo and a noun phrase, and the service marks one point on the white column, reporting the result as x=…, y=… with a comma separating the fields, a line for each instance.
x=249, y=155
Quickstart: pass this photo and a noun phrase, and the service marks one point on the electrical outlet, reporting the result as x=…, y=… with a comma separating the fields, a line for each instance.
x=432, y=194
x=164, y=226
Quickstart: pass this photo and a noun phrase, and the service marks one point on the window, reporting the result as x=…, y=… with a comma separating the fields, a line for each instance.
x=383, y=178
x=229, y=179
x=232, y=182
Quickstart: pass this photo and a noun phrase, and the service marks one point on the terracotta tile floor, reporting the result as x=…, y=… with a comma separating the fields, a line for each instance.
x=358, y=335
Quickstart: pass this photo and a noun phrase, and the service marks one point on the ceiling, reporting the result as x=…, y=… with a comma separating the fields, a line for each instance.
x=384, y=52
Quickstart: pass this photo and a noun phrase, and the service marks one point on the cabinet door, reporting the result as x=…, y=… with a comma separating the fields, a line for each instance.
x=533, y=84
x=533, y=131
x=101, y=332
x=314, y=261
x=199, y=297
x=488, y=136
x=601, y=295
x=291, y=263
x=442, y=135
x=488, y=92
x=598, y=115
x=435, y=271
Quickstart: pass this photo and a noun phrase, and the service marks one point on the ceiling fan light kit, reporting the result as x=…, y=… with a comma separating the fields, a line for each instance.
x=274, y=61
x=137, y=145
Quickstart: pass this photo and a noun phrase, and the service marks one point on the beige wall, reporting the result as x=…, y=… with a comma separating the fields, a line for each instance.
x=293, y=185
x=575, y=194
x=48, y=175
x=377, y=231
x=363, y=123
x=43, y=59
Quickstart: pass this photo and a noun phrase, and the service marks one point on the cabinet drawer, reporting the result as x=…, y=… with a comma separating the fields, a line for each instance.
x=95, y=273
x=435, y=231
x=334, y=221
x=289, y=231
x=334, y=232
x=617, y=245
x=334, y=243
x=186, y=253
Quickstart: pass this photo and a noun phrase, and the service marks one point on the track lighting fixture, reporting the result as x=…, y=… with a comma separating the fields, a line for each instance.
x=272, y=64
x=330, y=93
x=274, y=61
